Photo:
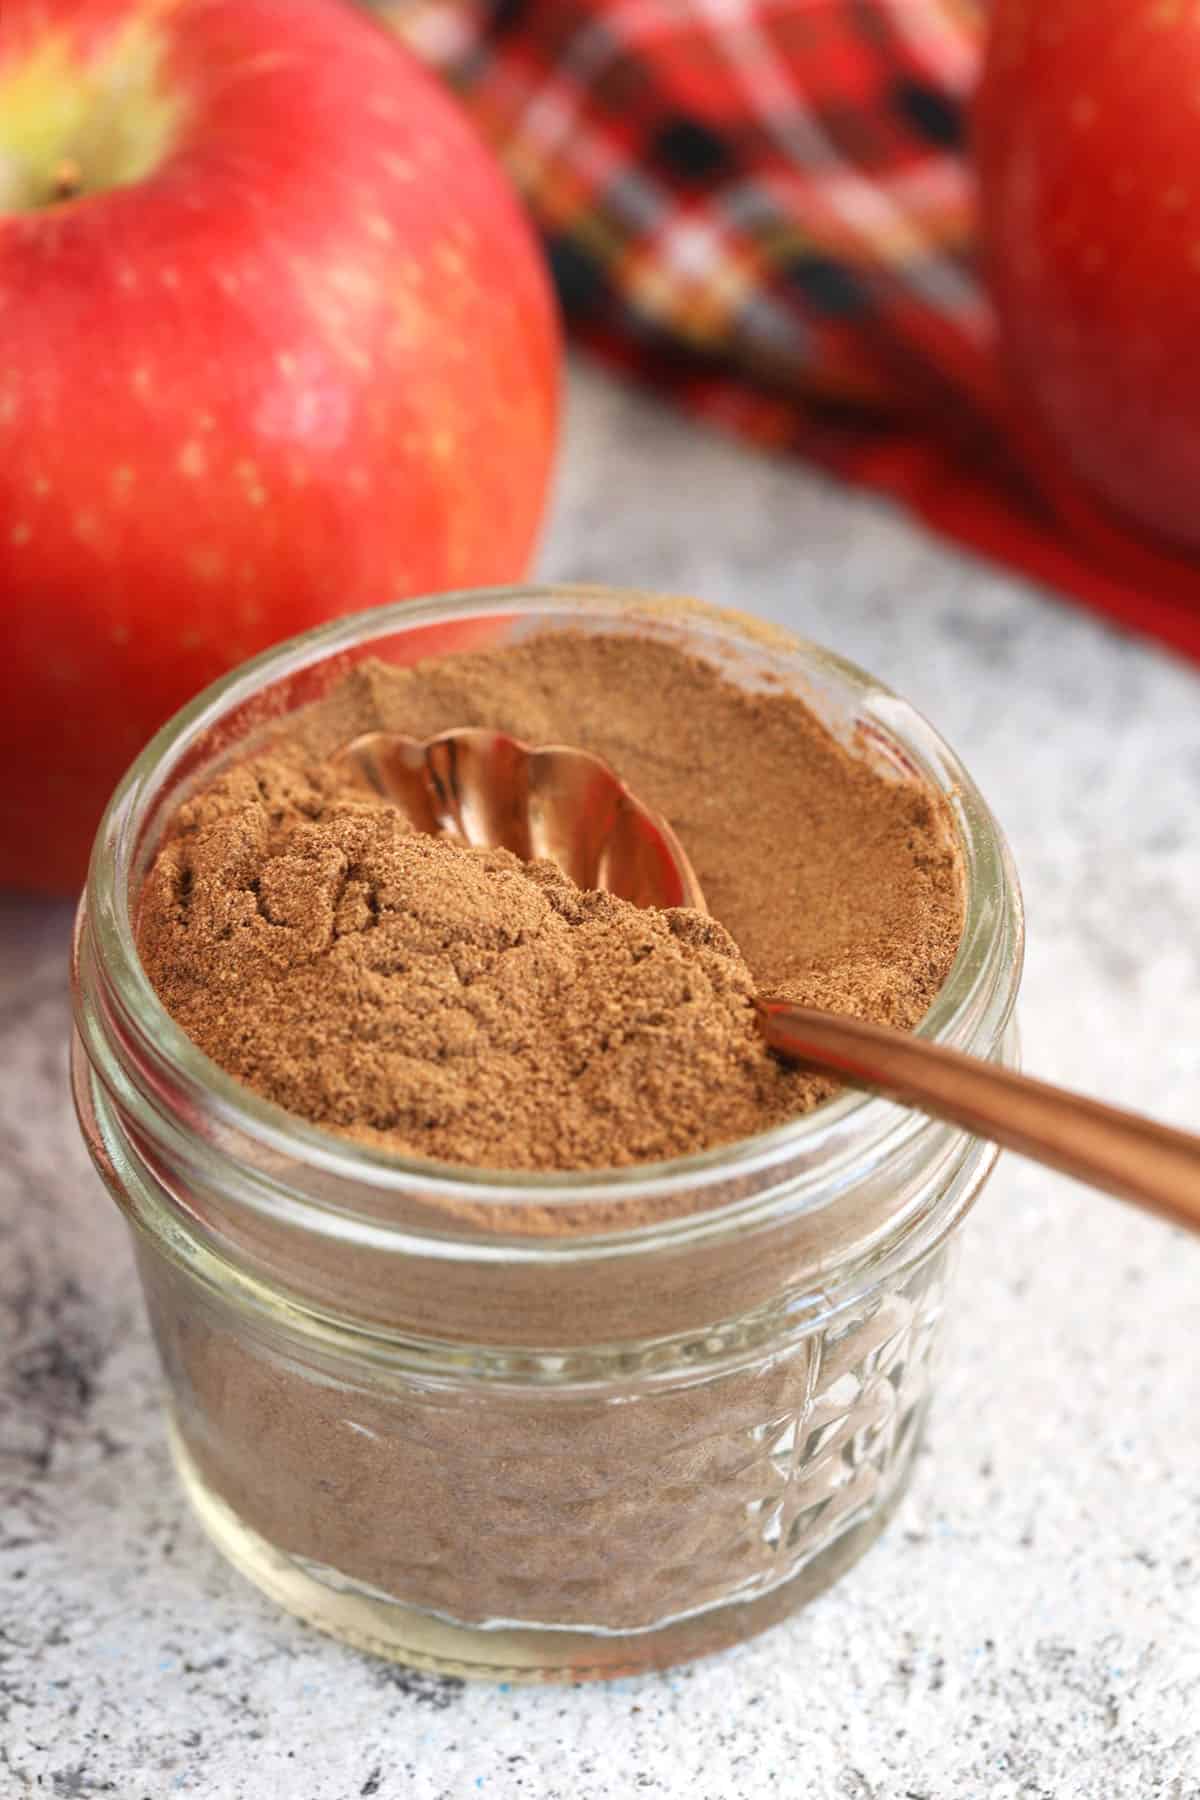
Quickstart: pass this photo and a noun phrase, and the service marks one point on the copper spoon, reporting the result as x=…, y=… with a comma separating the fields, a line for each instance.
x=571, y=808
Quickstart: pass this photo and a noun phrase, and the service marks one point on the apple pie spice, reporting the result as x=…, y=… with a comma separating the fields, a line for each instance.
x=454, y=1003
x=435, y=1000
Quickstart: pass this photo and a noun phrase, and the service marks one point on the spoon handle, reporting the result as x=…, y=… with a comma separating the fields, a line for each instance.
x=1137, y=1159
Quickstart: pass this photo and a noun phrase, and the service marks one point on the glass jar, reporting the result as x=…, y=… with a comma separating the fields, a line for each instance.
x=493, y=1452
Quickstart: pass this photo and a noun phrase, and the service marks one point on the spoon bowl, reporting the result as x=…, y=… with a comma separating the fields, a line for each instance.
x=550, y=803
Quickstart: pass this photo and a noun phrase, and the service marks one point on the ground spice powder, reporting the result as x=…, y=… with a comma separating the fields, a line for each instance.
x=456, y=1003
x=422, y=996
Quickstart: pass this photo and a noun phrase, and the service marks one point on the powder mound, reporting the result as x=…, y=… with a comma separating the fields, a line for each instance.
x=447, y=1001
x=460, y=1005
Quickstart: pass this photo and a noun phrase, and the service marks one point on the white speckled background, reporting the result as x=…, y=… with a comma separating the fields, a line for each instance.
x=1030, y=1625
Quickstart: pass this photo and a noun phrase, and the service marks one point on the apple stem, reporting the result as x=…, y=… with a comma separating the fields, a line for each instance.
x=67, y=181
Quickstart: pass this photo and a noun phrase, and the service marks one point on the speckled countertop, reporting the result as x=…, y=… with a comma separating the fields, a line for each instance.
x=1030, y=1624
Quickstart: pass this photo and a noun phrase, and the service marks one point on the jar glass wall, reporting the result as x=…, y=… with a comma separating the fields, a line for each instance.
x=473, y=1446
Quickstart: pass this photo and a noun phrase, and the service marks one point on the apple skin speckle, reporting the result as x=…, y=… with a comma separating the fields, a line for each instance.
x=192, y=462
x=206, y=565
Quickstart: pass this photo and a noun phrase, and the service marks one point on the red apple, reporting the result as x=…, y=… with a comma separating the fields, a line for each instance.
x=275, y=343
x=1087, y=132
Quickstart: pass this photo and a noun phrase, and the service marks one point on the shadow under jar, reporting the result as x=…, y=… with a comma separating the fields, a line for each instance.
x=494, y=1452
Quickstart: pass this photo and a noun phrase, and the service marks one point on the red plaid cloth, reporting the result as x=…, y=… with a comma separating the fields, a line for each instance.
x=764, y=209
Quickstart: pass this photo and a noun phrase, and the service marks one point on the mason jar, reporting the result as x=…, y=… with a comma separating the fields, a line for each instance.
x=429, y=1425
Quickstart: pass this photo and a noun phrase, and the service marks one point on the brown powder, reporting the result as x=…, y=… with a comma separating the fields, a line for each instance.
x=409, y=991
x=458, y=1004
x=453, y=1002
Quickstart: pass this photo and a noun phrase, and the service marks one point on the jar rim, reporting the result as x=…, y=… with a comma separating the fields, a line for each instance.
x=973, y=1005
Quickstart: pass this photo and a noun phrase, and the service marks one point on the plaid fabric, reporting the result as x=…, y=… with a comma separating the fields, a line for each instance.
x=764, y=209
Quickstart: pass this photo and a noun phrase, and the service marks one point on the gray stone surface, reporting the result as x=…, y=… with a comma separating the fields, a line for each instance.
x=1030, y=1626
